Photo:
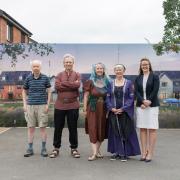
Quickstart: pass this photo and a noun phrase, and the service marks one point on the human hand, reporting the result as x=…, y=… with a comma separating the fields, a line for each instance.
x=57, y=83
x=146, y=103
x=114, y=110
x=143, y=106
x=119, y=111
x=85, y=112
x=46, y=108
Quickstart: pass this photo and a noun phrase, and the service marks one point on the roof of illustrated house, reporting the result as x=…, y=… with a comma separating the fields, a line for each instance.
x=13, y=77
x=173, y=75
x=85, y=76
x=14, y=22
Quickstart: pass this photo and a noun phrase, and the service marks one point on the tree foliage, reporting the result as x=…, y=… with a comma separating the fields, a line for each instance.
x=171, y=39
x=13, y=51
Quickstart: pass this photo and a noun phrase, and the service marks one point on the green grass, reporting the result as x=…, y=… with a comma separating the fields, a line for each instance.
x=169, y=108
x=14, y=105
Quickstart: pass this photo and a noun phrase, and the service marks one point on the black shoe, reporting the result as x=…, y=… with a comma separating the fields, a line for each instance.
x=29, y=153
x=123, y=158
x=114, y=157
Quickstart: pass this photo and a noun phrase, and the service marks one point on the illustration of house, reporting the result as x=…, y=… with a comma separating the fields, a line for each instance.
x=12, y=31
x=169, y=84
x=11, y=84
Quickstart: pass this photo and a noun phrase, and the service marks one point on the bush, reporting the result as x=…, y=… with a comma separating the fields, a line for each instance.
x=12, y=118
x=169, y=117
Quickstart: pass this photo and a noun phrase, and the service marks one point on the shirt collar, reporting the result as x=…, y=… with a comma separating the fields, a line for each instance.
x=38, y=77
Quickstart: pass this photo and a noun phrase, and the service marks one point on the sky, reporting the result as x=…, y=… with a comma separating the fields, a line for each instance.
x=89, y=21
x=88, y=54
x=93, y=31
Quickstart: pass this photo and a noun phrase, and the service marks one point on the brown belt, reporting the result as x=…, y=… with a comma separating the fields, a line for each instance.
x=100, y=99
x=68, y=100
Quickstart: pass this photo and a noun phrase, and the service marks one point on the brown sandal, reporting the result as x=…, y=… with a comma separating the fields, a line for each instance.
x=75, y=153
x=54, y=154
x=99, y=155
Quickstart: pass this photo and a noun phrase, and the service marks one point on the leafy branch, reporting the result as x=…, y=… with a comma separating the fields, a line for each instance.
x=13, y=51
x=171, y=38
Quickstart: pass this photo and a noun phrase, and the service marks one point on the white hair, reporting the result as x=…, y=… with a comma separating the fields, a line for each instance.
x=120, y=66
x=68, y=56
x=35, y=62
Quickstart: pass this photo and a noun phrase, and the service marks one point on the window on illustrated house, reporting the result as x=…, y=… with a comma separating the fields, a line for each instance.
x=3, y=78
x=23, y=38
x=177, y=83
x=9, y=33
x=177, y=95
x=20, y=78
x=164, y=95
x=164, y=84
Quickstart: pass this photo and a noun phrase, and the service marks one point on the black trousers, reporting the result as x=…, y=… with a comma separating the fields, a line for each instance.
x=72, y=116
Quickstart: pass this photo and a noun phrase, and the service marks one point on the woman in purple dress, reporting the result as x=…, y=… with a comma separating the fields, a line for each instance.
x=122, y=137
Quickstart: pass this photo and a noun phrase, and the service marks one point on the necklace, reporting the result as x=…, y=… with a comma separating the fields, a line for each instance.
x=119, y=82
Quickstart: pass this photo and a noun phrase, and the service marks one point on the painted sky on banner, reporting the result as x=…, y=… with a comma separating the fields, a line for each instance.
x=88, y=54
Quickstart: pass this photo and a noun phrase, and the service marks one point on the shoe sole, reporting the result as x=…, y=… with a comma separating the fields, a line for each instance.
x=76, y=157
x=28, y=155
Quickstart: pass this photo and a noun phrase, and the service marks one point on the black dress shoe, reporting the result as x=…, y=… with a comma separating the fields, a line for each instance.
x=148, y=160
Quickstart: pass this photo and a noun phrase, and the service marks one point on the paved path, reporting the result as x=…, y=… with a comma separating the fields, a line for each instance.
x=13, y=166
x=3, y=129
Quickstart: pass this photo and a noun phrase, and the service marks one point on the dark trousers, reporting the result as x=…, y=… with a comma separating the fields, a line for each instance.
x=59, y=121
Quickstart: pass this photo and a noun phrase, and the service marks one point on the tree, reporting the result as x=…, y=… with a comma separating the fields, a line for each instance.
x=171, y=39
x=13, y=51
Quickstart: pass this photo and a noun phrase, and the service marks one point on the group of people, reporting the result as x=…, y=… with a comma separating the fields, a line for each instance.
x=108, y=107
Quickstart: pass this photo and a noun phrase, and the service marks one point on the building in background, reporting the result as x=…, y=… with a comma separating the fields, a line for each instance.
x=169, y=84
x=11, y=84
x=11, y=31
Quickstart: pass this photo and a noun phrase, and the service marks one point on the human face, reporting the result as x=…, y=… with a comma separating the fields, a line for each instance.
x=145, y=66
x=36, y=68
x=99, y=70
x=119, y=71
x=68, y=64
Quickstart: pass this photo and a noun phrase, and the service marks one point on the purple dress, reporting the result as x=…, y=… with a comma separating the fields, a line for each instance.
x=126, y=142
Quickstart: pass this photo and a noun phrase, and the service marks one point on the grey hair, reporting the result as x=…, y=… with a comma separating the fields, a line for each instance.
x=119, y=66
x=35, y=61
x=68, y=56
